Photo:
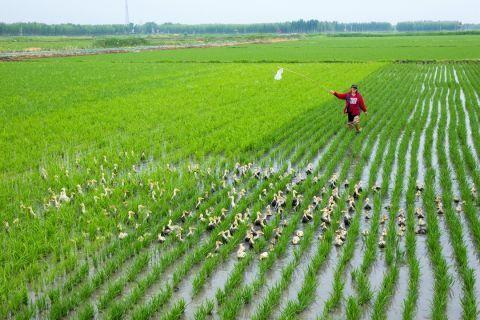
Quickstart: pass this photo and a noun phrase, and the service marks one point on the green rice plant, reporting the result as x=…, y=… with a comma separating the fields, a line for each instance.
x=353, y=309
x=206, y=309
x=455, y=228
x=176, y=312
x=145, y=311
x=443, y=281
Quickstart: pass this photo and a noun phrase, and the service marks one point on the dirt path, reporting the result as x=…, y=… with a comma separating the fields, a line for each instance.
x=36, y=54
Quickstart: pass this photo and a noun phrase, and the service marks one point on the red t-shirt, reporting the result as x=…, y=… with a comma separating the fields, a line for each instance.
x=353, y=103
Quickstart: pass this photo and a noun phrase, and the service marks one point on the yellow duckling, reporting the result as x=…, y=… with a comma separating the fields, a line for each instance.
x=241, y=251
x=338, y=241
x=382, y=243
x=295, y=240
x=263, y=255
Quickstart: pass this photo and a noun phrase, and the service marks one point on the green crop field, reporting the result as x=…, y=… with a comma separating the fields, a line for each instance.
x=190, y=184
x=330, y=49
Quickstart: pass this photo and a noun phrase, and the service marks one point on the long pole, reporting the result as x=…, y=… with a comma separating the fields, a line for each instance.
x=306, y=77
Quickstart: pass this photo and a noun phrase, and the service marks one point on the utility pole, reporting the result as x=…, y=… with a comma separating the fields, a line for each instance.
x=127, y=18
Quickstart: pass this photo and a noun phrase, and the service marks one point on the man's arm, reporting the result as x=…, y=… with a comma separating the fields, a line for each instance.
x=342, y=96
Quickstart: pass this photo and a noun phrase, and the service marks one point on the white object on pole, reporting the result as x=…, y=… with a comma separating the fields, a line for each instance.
x=278, y=76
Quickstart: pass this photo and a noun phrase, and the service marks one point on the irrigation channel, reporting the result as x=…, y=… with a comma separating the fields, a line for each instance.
x=321, y=223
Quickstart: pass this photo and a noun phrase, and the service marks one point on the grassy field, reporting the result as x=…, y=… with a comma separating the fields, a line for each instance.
x=131, y=182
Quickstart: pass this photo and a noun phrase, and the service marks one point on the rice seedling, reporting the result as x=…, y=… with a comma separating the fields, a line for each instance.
x=209, y=190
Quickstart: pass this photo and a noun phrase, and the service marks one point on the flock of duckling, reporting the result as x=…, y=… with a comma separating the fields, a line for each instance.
x=279, y=203
x=109, y=180
x=255, y=229
x=277, y=206
x=347, y=215
x=104, y=187
x=421, y=225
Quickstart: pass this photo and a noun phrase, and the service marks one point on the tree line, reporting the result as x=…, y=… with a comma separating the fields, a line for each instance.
x=300, y=26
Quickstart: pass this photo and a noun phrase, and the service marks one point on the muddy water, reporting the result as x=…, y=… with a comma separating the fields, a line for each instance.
x=349, y=289
x=406, y=177
x=435, y=75
x=355, y=263
x=216, y=281
x=478, y=98
x=378, y=267
x=455, y=188
x=434, y=149
x=99, y=292
x=366, y=170
x=184, y=289
x=410, y=117
x=160, y=284
x=468, y=128
x=394, y=170
x=447, y=142
x=426, y=280
x=473, y=256
x=400, y=293
x=421, y=147
x=365, y=176
x=454, y=302
x=320, y=154
x=379, y=175
x=475, y=92
x=396, y=307
x=467, y=172
x=455, y=76
x=251, y=272
x=357, y=257
x=167, y=274
x=298, y=276
x=272, y=277
x=324, y=286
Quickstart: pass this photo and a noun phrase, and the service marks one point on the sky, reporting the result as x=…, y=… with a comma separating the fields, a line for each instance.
x=239, y=11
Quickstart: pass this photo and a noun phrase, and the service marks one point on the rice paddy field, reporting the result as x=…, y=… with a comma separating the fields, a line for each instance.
x=189, y=184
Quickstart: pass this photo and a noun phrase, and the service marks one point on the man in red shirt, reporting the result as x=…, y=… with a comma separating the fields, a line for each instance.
x=353, y=105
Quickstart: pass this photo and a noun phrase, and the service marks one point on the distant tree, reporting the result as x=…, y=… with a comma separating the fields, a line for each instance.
x=299, y=26
x=422, y=26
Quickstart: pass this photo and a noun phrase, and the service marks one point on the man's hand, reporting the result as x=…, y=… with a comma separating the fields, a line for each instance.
x=332, y=92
